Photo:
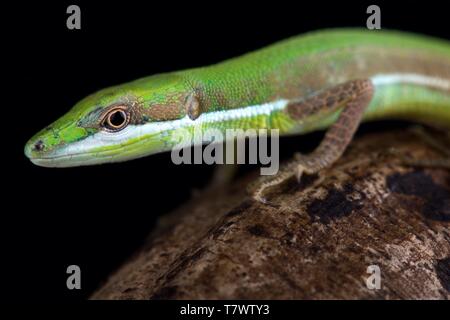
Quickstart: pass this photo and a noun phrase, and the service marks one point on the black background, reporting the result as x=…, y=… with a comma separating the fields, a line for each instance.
x=98, y=216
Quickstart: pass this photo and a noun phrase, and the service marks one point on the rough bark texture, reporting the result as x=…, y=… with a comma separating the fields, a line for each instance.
x=366, y=210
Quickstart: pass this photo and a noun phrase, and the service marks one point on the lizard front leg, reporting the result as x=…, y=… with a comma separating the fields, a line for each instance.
x=353, y=97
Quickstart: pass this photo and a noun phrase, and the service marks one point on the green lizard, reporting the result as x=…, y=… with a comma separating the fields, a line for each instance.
x=331, y=78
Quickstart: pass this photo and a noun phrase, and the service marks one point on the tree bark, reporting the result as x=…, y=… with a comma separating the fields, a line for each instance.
x=316, y=242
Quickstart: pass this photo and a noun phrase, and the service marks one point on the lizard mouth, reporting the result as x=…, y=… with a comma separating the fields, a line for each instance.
x=84, y=153
x=72, y=160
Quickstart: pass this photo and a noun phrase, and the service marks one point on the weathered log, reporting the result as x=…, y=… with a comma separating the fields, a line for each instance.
x=316, y=243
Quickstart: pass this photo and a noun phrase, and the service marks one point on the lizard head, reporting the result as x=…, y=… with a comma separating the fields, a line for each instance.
x=120, y=123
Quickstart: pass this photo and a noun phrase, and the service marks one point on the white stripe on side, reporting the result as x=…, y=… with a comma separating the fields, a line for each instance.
x=102, y=139
x=413, y=78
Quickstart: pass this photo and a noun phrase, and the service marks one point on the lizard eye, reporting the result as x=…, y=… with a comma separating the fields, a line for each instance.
x=116, y=119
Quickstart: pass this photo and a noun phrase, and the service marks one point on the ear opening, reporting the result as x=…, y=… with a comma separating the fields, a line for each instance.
x=193, y=109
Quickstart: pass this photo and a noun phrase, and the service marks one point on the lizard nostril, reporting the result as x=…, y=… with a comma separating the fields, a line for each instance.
x=39, y=146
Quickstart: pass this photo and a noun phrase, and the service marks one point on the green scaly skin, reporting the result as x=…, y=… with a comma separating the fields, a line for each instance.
x=291, y=69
